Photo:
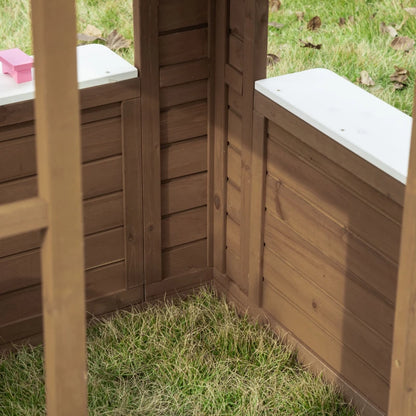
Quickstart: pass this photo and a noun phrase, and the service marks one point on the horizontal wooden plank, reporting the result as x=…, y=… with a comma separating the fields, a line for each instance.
x=339, y=283
x=332, y=239
x=235, y=101
x=236, y=53
x=18, y=130
x=237, y=8
x=339, y=202
x=99, y=139
x=336, y=355
x=184, y=46
x=175, y=14
x=233, y=202
x=183, y=93
x=26, y=303
x=332, y=150
x=22, y=217
x=19, y=243
x=184, y=259
x=183, y=122
x=233, y=236
x=234, y=79
x=103, y=213
x=102, y=177
x=235, y=130
x=21, y=270
x=328, y=314
x=184, y=227
x=234, y=166
x=19, y=189
x=184, y=158
x=184, y=72
x=184, y=193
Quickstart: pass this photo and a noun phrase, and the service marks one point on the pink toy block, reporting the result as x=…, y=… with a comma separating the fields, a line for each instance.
x=17, y=64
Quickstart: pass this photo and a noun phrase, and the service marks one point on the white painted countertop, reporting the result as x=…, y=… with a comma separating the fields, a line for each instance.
x=97, y=65
x=361, y=122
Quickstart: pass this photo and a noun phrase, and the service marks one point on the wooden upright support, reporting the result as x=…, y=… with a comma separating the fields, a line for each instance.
x=403, y=370
x=59, y=175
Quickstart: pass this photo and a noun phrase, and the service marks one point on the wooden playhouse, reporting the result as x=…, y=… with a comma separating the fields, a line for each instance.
x=192, y=174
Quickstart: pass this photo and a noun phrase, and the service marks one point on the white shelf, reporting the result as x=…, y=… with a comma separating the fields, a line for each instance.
x=361, y=122
x=97, y=65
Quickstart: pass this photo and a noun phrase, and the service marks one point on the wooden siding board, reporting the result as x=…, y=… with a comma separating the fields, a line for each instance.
x=233, y=202
x=236, y=53
x=234, y=167
x=183, y=93
x=184, y=72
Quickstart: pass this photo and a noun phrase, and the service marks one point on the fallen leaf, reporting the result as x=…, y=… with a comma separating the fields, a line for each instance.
x=342, y=21
x=116, y=41
x=90, y=34
x=272, y=59
x=402, y=43
x=310, y=45
x=400, y=75
x=276, y=25
x=300, y=15
x=275, y=5
x=314, y=23
x=411, y=10
x=365, y=79
x=388, y=29
x=399, y=86
x=351, y=19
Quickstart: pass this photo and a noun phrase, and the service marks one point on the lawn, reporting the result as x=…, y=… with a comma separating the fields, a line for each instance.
x=189, y=357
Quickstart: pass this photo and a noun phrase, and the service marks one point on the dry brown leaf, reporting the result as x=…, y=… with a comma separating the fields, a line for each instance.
x=388, y=29
x=276, y=25
x=351, y=19
x=90, y=34
x=411, y=10
x=272, y=59
x=402, y=43
x=116, y=41
x=309, y=45
x=399, y=86
x=300, y=15
x=314, y=23
x=365, y=79
x=400, y=75
x=275, y=5
x=342, y=21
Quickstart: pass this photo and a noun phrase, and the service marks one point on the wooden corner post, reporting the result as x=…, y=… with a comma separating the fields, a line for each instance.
x=59, y=176
x=403, y=369
x=146, y=45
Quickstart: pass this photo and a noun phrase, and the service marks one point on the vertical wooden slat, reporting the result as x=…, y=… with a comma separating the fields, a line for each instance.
x=220, y=142
x=254, y=68
x=257, y=207
x=146, y=41
x=211, y=130
x=59, y=175
x=403, y=369
x=132, y=153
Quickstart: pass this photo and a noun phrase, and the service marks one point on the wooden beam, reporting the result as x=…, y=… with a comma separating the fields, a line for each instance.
x=146, y=58
x=59, y=176
x=22, y=217
x=403, y=369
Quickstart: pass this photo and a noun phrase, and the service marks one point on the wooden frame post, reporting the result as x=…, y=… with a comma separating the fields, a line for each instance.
x=59, y=176
x=403, y=369
x=146, y=59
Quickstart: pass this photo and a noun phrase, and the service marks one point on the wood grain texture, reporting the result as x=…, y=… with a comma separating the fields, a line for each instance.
x=235, y=130
x=147, y=52
x=236, y=53
x=185, y=72
x=184, y=46
x=58, y=142
x=178, y=14
x=234, y=167
x=183, y=93
x=133, y=194
x=233, y=202
x=183, y=122
x=184, y=158
x=402, y=399
x=234, y=79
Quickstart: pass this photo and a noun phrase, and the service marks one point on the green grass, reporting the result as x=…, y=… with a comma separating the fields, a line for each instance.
x=191, y=357
x=346, y=50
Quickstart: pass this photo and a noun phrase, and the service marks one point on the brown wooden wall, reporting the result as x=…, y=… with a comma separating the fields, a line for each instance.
x=112, y=207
